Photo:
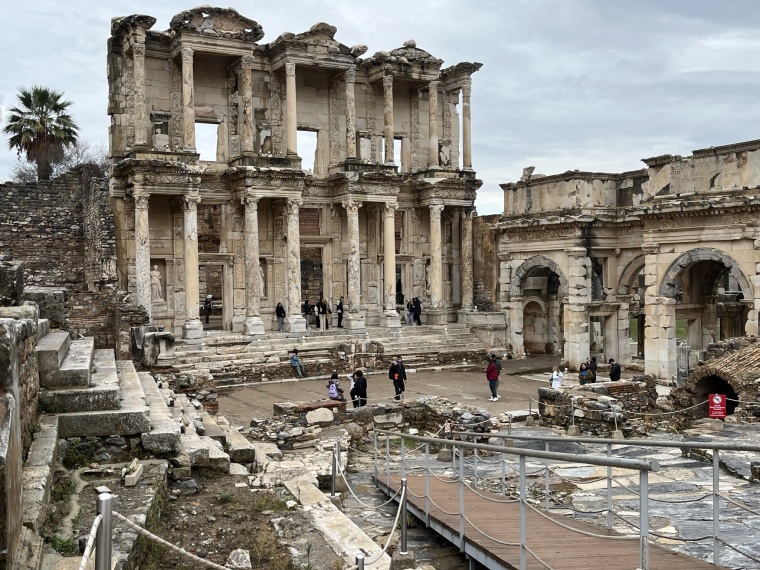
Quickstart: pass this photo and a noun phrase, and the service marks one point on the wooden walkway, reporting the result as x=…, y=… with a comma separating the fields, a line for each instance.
x=559, y=548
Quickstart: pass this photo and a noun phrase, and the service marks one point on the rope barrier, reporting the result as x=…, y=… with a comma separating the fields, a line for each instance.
x=723, y=542
x=740, y=505
x=668, y=413
x=365, y=505
x=140, y=530
x=652, y=498
x=90, y=542
x=474, y=490
x=583, y=532
x=576, y=510
x=538, y=559
x=488, y=536
x=742, y=402
x=390, y=536
x=440, y=508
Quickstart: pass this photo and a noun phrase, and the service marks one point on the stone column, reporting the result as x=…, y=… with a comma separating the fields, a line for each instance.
x=436, y=257
x=578, y=343
x=350, y=77
x=466, y=126
x=138, y=55
x=466, y=259
x=142, y=253
x=514, y=333
x=623, y=355
x=253, y=322
x=433, y=122
x=294, y=321
x=355, y=317
x=388, y=118
x=659, y=321
x=192, y=327
x=291, y=110
x=188, y=99
x=247, y=111
x=390, y=317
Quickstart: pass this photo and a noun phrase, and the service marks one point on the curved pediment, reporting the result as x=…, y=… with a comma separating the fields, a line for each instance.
x=319, y=39
x=223, y=22
x=409, y=53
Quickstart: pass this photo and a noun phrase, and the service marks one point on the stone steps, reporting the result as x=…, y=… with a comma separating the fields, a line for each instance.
x=163, y=437
x=51, y=351
x=102, y=393
x=131, y=418
x=74, y=369
x=38, y=474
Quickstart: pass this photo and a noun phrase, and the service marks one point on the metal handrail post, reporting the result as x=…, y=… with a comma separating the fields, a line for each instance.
x=546, y=479
x=530, y=406
x=334, y=470
x=403, y=458
x=644, y=520
x=609, y=489
x=103, y=539
x=475, y=467
x=503, y=470
x=360, y=562
x=387, y=459
x=374, y=437
x=402, y=506
x=716, y=506
x=523, y=527
x=427, y=484
x=461, y=501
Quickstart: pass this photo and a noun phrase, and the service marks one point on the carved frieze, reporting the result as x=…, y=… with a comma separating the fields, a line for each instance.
x=542, y=233
x=176, y=106
x=415, y=131
x=334, y=123
x=275, y=88
x=371, y=121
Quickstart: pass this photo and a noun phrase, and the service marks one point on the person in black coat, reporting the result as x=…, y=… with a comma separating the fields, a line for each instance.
x=614, y=370
x=360, y=389
x=339, y=308
x=280, y=313
x=208, y=307
x=397, y=373
x=417, y=310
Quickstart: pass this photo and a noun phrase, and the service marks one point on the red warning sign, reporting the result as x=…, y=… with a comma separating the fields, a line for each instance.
x=717, y=405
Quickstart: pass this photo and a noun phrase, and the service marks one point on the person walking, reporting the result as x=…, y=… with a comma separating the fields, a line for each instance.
x=593, y=366
x=297, y=365
x=409, y=312
x=614, y=370
x=555, y=380
x=585, y=375
x=279, y=311
x=321, y=314
x=339, y=310
x=397, y=373
x=208, y=307
x=360, y=387
x=492, y=375
x=306, y=311
x=417, y=311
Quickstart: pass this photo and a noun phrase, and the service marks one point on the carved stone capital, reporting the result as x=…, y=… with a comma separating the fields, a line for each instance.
x=352, y=207
x=250, y=202
x=433, y=86
x=469, y=213
x=435, y=210
x=246, y=62
x=294, y=205
x=651, y=248
x=187, y=54
x=191, y=203
x=138, y=49
x=467, y=88
x=390, y=209
x=387, y=81
x=290, y=68
x=350, y=75
x=141, y=201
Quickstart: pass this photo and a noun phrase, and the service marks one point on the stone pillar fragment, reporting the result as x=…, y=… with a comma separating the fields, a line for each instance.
x=142, y=252
x=247, y=93
x=433, y=124
x=355, y=318
x=436, y=257
x=466, y=260
x=138, y=55
x=515, y=342
x=192, y=327
x=294, y=321
x=350, y=77
x=578, y=341
x=253, y=285
x=188, y=100
x=659, y=321
x=390, y=316
x=388, y=118
x=290, y=109
x=466, y=126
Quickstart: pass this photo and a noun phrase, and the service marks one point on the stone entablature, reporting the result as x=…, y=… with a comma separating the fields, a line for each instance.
x=377, y=211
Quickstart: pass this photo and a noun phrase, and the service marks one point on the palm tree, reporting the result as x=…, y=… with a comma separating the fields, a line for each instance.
x=41, y=128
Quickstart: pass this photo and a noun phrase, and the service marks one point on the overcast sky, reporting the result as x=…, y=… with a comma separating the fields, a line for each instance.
x=565, y=84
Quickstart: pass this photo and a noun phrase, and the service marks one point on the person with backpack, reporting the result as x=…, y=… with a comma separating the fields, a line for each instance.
x=334, y=389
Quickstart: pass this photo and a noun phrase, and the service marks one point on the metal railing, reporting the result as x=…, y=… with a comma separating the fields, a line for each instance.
x=715, y=494
x=643, y=468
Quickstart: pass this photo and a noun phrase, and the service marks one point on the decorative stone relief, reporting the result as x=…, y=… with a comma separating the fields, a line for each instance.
x=371, y=122
x=129, y=72
x=176, y=109
x=334, y=123
x=275, y=88
x=415, y=131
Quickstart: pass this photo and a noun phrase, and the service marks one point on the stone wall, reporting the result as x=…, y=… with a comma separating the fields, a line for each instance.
x=485, y=253
x=99, y=232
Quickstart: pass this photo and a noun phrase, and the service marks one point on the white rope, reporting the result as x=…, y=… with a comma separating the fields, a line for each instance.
x=140, y=530
x=474, y=490
x=534, y=555
x=654, y=499
x=739, y=551
x=390, y=536
x=90, y=542
x=740, y=505
x=583, y=532
x=743, y=402
x=488, y=536
x=668, y=413
x=440, y=508
x=363, y=504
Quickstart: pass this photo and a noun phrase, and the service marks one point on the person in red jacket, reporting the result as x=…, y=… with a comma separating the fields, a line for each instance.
x=492, y=375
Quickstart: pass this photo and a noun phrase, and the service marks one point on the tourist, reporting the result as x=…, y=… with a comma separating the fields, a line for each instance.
x=339, y=310
x=306, y=311
x=207, y=307
x=614, y=370
x=360, y=387
x=397, y=373
x=492, y=375
x=328, y=313
x=497, y=362
x=296, y=363
x=585, y=375
x=280, y=313
x=409, y=312
x=593, y=366
x=555, y=380
x=417, y=310
x=334, y=390
x=447, y=429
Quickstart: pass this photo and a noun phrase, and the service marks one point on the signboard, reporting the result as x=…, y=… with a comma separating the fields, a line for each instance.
x=717, y=405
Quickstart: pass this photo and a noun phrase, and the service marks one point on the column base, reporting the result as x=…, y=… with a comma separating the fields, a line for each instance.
x=295, y=323
x=254, y=325
x=192, y=329
x=462, y=314
x=355, y=321
x=437, y=317
x=390, y=320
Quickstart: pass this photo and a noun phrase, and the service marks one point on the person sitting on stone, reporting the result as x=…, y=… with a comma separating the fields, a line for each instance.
x=295, y=362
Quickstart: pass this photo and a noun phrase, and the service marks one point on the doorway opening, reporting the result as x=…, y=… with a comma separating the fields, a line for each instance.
x=211, y=282
x=716, y=385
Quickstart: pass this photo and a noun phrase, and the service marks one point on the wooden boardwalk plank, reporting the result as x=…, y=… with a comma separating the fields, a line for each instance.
x=560, y=548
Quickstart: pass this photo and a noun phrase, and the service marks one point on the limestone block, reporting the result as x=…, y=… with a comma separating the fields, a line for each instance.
x=320, y=415
x=11, y=282
x=239, y=560
x=52, y=302
x=388, y=419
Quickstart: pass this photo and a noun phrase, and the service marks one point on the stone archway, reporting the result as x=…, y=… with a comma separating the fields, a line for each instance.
x=668, y=287
x=630, y=273
x=518, y=279
x=708, y=379
x=632, y=285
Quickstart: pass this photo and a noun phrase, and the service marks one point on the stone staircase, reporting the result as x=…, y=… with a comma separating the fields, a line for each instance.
x=228, y=357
